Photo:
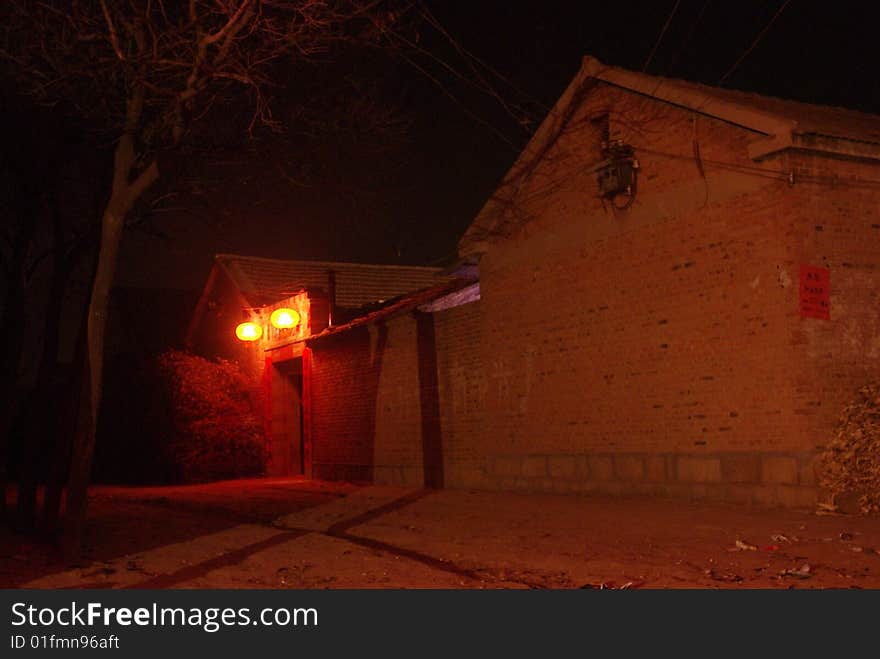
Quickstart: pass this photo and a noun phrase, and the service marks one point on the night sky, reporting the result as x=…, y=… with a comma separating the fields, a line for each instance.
x=410, y=203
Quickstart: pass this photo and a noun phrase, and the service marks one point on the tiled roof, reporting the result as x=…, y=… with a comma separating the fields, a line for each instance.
x=811, y=119
x=778, y=125
x=807, y=118
x=264, y=280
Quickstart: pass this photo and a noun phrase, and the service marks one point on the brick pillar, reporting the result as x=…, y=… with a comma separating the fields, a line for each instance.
x=267, y=401
x=307, y=411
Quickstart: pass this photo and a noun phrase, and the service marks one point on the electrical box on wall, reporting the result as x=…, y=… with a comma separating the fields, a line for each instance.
x=617, y=174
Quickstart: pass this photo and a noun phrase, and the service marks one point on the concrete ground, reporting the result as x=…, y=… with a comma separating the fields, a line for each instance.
x=295, y=533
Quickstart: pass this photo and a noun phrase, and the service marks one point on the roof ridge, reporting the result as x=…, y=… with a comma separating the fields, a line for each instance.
x=396, y=305
x=711, y=89
x=779, y=124
x=241, y=257
x=599, y=70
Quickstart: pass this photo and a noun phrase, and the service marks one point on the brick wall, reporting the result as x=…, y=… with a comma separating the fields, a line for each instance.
x=399, y=402
x=660, y=349
x=397, y=452
x=657, y=350
x=344, y=382
x=395, y=402
x=366, y=406
x=462, y=388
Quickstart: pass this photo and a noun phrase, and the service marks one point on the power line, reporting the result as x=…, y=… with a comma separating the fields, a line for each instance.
x=452, y=97
x=690, y=35
x=480, y=83
x=755, y=42
x=514, y=109
x=660, y=37
x=426, y=13
x=564, y=178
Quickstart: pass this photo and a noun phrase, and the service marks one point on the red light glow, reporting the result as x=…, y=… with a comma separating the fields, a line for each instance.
x=248, y=332
x=284, y=318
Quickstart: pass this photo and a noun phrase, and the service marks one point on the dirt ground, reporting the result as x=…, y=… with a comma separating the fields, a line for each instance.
x=295, y=533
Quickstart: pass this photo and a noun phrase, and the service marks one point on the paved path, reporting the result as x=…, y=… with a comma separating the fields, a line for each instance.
x=302, y=534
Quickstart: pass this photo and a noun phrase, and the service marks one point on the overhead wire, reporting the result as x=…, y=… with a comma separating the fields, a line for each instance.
x=549, y=110
x=752, y=170
x=690, y=35
x=460, y=104
x=660, y=36
x=484, y=87
x=778, y=175
x=464, y=51
x=709, y=95
x=476, y=80
x=487, y=87
x=755, y=42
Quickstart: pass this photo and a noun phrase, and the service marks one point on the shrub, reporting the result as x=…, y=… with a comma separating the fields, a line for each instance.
x=216, y=430
x=178, y=418
x=851, y=463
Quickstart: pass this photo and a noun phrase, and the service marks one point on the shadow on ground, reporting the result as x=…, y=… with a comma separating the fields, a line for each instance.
x=310, y=534
x=131, y=520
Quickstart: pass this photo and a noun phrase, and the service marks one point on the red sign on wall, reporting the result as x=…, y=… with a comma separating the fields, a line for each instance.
x=815, y=292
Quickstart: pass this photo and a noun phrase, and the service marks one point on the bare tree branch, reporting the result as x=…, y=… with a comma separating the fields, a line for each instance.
x=144, y=74
x=111, y=29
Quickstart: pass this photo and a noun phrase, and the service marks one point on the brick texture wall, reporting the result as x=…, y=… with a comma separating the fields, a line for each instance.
x=462, y=387
x=657, y=350
x=344, y=382
x=399, y=402
x=660, y=349
x=367, y=413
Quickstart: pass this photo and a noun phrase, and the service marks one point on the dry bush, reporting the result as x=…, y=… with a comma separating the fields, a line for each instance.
x=851, y=462
x=179, y=418
x=216, y=428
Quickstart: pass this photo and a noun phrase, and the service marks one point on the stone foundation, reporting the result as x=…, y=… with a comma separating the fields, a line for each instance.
x=768, y=479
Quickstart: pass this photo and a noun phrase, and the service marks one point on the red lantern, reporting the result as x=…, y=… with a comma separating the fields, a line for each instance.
x=284, y=318
x=248, y=331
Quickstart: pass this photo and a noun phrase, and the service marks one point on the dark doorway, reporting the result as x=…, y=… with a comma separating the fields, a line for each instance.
x=286, y=442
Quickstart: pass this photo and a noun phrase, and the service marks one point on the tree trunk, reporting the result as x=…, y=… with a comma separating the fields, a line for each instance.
x=125, y=192
x=112, y=223
x=73, y=422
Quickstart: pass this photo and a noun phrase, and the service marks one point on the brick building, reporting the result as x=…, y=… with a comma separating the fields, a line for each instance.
x=388, y=390
x=678, y=291
x=325, y=295
x=670, y=331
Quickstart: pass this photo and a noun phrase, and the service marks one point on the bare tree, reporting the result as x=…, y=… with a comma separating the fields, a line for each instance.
x=147, y=73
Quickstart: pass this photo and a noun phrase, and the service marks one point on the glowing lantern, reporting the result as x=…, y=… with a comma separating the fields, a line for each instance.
x=284, y=318
x=248, y=332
